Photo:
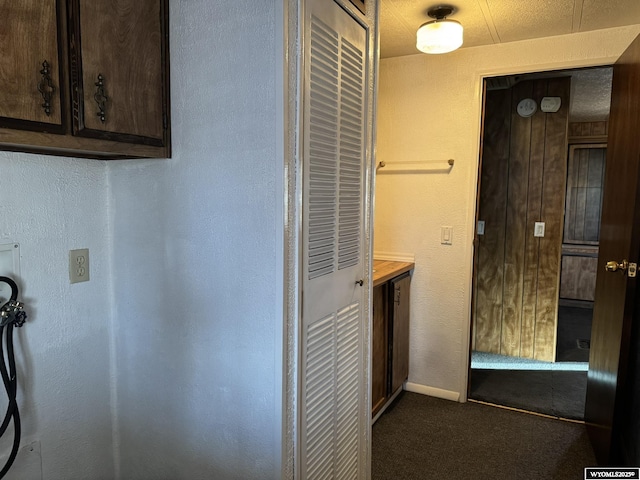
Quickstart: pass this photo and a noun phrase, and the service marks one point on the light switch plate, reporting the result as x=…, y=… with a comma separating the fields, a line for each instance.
x=538, y=230
x=446, y=235
x=480, y=228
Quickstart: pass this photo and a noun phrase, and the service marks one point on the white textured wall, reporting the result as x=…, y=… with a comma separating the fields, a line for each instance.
x=198, y=260
x=429, y=108
x=50, y=205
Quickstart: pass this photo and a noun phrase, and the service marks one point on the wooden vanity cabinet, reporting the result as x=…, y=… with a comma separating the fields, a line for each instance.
x=108, y=73
x=30, y=65
x=390, y=333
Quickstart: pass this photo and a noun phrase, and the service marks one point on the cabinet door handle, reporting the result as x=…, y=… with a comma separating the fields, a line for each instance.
x=101, y=98
x=46, y=88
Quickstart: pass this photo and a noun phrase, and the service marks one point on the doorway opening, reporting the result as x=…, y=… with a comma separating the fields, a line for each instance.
x=539, y=203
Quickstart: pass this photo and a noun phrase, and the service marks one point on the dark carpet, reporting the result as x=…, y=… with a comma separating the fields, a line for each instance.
x=556, y=393
x=551, y=392
x=422, y=437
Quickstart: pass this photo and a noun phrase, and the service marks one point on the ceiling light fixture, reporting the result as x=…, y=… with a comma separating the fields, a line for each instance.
x=439, y=35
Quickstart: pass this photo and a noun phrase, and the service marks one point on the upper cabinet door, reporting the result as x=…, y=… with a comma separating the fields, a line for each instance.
x=118, y=65
x=30, y=65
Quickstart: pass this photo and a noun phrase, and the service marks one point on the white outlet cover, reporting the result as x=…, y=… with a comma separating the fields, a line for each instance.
x=480, y=227
x=538, y=229
x=79, y=265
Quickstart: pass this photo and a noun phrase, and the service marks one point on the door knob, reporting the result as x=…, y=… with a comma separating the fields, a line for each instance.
x=614, y=266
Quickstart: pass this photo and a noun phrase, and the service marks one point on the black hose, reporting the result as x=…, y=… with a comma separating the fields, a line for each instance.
x=9, y=379
x=5, y=380
x=13, y=285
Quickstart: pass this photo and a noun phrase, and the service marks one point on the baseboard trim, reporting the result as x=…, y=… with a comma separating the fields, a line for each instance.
x=432, y=391
x=395, y=257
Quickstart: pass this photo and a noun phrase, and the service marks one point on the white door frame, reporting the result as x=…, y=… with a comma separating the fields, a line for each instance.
x=480, y=76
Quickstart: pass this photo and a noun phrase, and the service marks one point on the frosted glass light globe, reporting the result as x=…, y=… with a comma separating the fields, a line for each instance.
x=439, y=36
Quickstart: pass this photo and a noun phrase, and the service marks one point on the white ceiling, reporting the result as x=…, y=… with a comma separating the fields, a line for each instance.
x=590, y=96
x=498, y=21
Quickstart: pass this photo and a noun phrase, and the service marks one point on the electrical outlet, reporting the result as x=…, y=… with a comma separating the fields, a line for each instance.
x=79, y=265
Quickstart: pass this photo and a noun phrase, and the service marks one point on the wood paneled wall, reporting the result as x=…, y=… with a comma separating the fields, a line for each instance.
x=585, y=180
x=523, y=180
x=578, y=273
x=588, y=129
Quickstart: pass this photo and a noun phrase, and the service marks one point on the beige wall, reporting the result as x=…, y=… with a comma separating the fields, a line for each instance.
x=429, y=108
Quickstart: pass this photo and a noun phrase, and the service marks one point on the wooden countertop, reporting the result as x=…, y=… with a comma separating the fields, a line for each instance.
x=385, y=270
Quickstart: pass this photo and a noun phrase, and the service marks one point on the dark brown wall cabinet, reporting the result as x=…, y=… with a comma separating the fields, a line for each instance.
x=86, y=78
x=30, y=65
x=390, y=339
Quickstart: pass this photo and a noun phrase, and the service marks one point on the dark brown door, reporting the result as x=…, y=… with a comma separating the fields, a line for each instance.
x=606, y=412
x=118, y=62
x=30, y=65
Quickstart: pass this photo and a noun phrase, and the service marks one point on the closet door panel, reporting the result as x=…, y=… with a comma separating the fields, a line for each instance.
x=334, y=415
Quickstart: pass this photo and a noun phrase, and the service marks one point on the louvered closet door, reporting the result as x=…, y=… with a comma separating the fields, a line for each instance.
x=333, y=412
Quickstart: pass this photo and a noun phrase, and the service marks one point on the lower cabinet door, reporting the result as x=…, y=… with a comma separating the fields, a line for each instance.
x=400, y=288
x=379, y=348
